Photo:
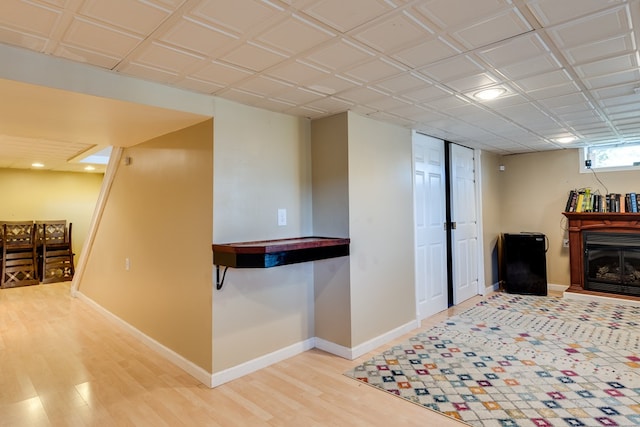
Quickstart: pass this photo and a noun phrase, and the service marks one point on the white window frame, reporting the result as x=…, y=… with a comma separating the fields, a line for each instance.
x=584, y=169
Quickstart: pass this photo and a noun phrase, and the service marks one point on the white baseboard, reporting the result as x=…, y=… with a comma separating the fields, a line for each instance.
x=557, y=288
x=366, y=347
x=192, y=369
x=492, y=288
x=333, y=348
x=253, y=365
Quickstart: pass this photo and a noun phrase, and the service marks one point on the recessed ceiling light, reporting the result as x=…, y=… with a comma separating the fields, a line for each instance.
x=89, y=168
x=488, y=94
x=566, y=139
x=37, y=165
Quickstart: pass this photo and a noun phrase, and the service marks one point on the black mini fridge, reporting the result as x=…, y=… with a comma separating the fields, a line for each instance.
x=524, y=263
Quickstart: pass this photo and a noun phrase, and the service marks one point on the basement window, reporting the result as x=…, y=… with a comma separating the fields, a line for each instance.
x=615, y=157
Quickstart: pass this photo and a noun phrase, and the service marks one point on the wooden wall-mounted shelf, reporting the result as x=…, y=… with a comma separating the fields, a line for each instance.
x=272, y=253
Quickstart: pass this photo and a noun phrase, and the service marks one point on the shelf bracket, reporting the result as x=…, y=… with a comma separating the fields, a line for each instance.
x=219, y=282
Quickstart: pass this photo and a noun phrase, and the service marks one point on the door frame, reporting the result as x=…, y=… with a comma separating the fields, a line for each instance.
x=477, y=166
x=477, y=159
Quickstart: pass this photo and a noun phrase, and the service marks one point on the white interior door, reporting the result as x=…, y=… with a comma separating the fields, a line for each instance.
x=464, y=216
x=430, y=217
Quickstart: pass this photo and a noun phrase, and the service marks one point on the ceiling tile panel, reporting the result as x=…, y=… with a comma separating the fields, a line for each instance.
x=198, y=85
x=514, y=50
x=221, y=74
x=82, y=55
x=550, y=12
x=625, y=92
x=426, y=94
x=531, y=67
x=253, y=57
x=387, y=104
x=299, y=96
x=273, y=104
x=347, y=15
x=21, y=39
x=373, y=70
x=502, y=26
x=551, y=91
x=410, y=111
x=606, y=25
x=474, y=82
x=242, y=96
x=148, y=72
x=157, y=55
x=453, y=68
x=506, y=101
x=449, y=13
x=565, y=100
x=330, y=85
x=401, y=83
x=264, y=86
x=554, y=78
x=339, y=55
x=426, y=52
x=613, y=79
x=331, y=103
x=623, y=43
x=307, y=35
x=199, y=37
x=96, y=37
x=392, y=33
x=607, y=66
x=28, y=17
x=443, y=104
x=136, y=16
x=242, y=17
x=361, y=95
x=297, y=72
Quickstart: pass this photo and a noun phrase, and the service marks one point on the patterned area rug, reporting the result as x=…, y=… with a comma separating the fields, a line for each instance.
x=516, y=360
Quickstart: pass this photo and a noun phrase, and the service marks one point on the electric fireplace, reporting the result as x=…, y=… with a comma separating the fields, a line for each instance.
x=609, y=265
x=612, y=262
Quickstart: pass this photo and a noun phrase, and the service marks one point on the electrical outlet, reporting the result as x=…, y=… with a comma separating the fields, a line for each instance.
x=565, y=243
x=282, y=217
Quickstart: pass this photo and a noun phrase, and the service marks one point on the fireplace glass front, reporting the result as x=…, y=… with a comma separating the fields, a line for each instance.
x=612, y=262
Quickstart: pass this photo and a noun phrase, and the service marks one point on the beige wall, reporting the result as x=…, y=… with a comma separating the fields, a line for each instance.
x=534, y=189
x=380, y=227
x=491, y=214
x=158, y=215
x=262, y=163
x=332, y=288
x=362, y=183
x=45, y=195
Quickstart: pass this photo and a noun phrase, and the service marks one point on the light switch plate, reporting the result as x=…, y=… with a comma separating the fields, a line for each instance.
x=282, y=217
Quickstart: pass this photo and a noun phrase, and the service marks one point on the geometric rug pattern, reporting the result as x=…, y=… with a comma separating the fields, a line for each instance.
x=521, y=360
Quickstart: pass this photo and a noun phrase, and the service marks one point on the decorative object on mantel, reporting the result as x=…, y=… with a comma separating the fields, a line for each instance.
x=615, y=224
x=272, y=253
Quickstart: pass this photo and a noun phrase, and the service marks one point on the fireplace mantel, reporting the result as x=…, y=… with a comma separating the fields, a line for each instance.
x=611, y=222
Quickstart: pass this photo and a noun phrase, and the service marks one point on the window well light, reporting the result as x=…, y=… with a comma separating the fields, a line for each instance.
x=37, y=165
x=488, y=94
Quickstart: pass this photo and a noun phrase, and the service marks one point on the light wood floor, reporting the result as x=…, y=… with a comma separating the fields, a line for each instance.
x=63, y=364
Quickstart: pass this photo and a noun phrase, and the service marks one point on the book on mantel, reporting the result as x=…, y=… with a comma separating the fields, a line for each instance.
x=583, y=200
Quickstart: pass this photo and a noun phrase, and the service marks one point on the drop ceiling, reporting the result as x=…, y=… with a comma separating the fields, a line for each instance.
x=569, y=67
